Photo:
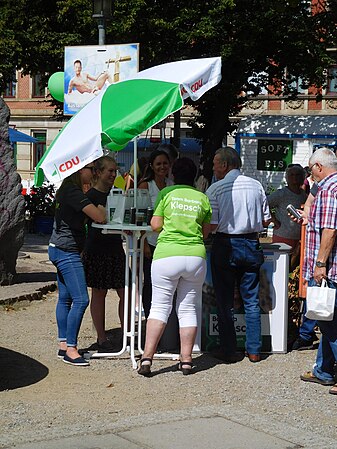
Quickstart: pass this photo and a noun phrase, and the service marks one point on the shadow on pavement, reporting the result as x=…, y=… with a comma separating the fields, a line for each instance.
x=202, y=363
x=18, y=370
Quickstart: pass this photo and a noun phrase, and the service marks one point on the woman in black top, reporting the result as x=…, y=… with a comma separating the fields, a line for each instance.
x=104, y=257
x=65, y=247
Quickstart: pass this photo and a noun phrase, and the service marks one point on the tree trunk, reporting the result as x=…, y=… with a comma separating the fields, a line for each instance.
x=218, y=125
x=12, y=204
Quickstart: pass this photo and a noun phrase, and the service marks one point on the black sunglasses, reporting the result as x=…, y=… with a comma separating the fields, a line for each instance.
x=294, y=165
x=309, y=169
x=92, y=168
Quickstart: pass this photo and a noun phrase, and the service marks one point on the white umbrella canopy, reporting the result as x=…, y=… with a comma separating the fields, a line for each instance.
x=195, y=76
x=123, y=111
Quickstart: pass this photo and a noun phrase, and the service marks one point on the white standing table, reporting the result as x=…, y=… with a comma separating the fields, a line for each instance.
x=132, y=234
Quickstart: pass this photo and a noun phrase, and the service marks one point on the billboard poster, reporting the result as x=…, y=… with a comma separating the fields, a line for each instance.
x=89, y=70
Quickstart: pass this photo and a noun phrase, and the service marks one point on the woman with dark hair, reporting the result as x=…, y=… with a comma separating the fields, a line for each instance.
x=170, y=150
x=66, y=243
x=182, y=216
x=156, y=178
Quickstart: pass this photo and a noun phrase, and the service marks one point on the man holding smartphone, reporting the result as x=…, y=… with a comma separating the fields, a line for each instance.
x=321, y=258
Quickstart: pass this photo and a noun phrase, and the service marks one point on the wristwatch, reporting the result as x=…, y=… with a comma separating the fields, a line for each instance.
x=320, y=264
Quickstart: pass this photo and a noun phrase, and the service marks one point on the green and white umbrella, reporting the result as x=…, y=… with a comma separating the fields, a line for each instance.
x=123, y=111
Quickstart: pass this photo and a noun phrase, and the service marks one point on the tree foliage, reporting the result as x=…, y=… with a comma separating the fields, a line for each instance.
x=35, y=32
x=261, y=42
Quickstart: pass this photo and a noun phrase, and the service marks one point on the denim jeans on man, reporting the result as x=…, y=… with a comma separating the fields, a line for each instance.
x=307, y=327
x=73, y=294
x=237, y=261
x=327, y=349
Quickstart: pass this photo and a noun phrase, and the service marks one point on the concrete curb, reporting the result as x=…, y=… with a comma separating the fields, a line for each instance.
x=12, y=294
x=35, y=275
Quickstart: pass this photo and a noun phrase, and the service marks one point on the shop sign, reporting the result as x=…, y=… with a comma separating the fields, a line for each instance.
x=274, y=155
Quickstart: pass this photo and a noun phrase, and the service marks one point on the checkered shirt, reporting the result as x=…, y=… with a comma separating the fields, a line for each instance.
x=323, y=215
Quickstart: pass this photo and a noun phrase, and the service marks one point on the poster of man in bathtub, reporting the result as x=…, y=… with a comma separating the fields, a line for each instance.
x=89, y=70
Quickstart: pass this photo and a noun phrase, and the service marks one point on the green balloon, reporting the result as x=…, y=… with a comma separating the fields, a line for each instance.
x=56, y=86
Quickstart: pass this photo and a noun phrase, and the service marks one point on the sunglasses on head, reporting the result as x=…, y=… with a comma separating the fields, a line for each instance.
x=294, y=165
x=91, y=168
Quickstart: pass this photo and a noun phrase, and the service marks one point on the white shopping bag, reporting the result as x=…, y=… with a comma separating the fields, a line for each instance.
x=115, y=206
x=320, y=302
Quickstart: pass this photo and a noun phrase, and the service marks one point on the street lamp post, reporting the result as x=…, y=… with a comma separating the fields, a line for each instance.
x=101, y=12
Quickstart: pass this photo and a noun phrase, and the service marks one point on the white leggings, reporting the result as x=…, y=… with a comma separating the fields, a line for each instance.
x=186, y=274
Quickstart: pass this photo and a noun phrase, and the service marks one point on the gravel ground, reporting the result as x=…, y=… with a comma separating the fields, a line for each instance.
x=43, y=398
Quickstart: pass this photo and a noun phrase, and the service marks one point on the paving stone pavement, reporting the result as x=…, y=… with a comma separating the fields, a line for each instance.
x=211, y=428
x=207, y=427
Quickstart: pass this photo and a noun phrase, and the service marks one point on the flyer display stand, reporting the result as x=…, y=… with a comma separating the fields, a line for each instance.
x=273, y=295
x=132, y=235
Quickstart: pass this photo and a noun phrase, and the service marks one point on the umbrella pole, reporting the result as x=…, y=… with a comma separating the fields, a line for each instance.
x=135, y=175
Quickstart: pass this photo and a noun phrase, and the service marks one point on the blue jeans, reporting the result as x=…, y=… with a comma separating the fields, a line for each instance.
x=237, y=261
x=73, y=294
x=307, y=327
x=327, y=349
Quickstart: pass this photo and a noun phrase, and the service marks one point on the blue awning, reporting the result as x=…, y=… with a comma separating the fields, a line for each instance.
x=18, y=136
x=187, y=145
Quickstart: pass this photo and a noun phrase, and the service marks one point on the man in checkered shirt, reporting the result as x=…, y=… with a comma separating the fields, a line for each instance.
x=321, y=258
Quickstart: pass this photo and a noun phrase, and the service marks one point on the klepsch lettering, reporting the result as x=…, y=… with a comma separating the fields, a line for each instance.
x=185, y=207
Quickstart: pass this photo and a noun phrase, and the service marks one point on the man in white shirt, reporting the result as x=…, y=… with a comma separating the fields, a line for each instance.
x=240, y=212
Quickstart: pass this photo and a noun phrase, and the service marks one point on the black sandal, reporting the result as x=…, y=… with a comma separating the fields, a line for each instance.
x=185, y=371
x=145, y=370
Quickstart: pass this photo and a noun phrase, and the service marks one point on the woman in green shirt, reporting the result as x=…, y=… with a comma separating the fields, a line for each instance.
x=182, y=216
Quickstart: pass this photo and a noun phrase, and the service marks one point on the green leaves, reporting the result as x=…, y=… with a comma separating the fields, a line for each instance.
x=34, y=33
x=278, y=39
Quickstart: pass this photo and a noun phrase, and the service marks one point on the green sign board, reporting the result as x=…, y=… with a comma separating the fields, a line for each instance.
x=274, y=155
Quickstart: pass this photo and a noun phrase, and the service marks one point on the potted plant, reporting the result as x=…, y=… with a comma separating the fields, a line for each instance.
x=40, y=208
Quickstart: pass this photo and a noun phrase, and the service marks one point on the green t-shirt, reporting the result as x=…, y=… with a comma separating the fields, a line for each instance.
x=184, y=210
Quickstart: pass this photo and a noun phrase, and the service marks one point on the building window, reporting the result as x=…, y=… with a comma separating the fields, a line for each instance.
x=39, y=147
x=38, y=89
x=257, y=84
x=332, y=80
x=10, y=90
x=296, y=86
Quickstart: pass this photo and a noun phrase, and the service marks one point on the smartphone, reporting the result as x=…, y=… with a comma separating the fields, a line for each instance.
x=293, y=211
